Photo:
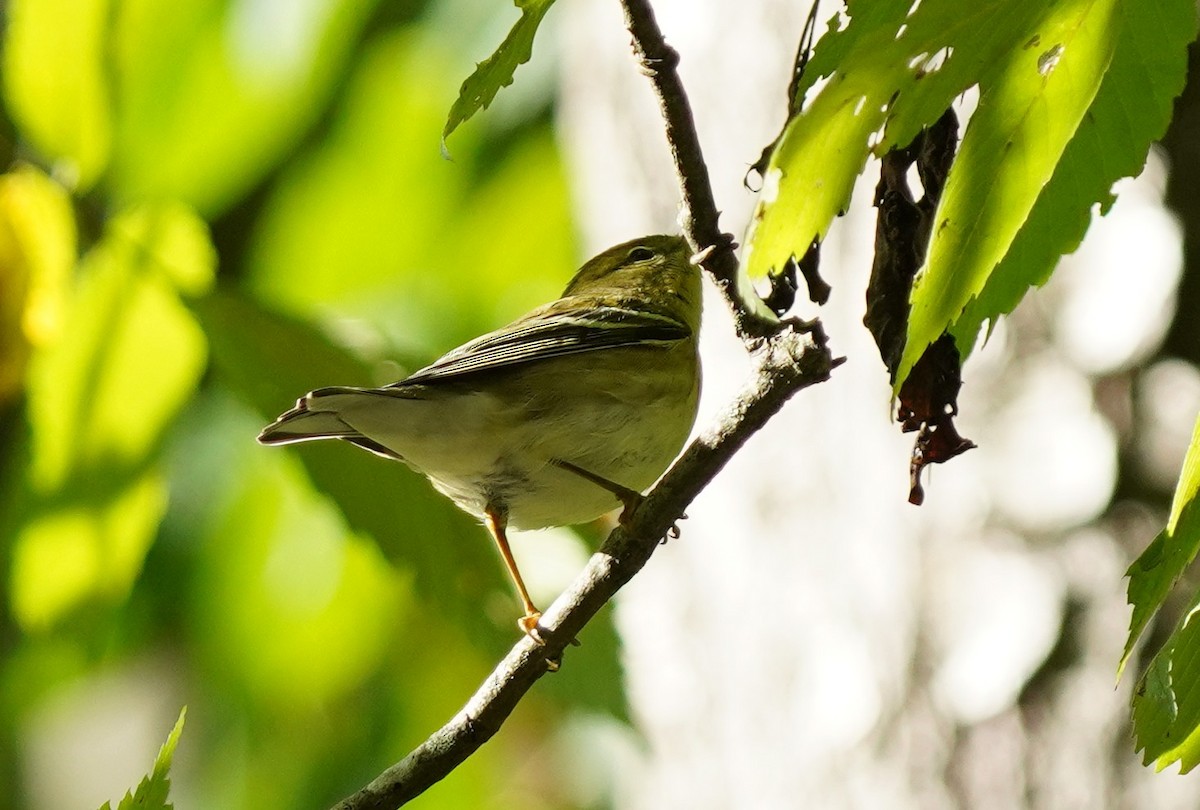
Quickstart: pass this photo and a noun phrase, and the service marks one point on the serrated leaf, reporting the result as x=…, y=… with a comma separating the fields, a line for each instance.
x=154, y=790
x=890, y=73
x=1166, y=705
x=1026, y=117
x=497, y=70
x=54, y=82
x=1130, y=111
x=1159, y=567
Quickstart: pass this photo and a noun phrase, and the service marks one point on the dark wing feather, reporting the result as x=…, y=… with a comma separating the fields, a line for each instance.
x=550, y=335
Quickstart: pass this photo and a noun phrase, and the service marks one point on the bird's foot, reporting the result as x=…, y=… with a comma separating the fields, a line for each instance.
x=529, y=625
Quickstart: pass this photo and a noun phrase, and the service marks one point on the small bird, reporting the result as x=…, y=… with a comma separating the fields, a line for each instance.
x=553, y=420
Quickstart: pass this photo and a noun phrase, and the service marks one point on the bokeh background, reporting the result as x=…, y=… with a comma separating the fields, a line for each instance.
x=213, y=206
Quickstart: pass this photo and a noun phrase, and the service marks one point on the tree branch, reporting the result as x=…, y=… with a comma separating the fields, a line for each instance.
x=699, y=217
x=787, y=356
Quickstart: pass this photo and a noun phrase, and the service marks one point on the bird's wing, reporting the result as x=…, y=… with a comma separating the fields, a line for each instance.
x=548, y=334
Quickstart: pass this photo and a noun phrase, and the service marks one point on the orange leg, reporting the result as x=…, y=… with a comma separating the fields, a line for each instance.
x=497, y=522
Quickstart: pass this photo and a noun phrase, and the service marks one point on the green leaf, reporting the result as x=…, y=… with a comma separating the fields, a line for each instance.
x=1047, y=90
x=268, y=358
x=1130, y=111
x=1166, y=706
x=54, y=82
x=497, y=70
x=153, y=791
x=86, y=545
x=1159, y=567
x=1025, y=118
x=282, y=576
x=889, y=73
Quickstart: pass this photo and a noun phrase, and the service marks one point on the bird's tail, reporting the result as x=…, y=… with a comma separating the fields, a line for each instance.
x=314, y=417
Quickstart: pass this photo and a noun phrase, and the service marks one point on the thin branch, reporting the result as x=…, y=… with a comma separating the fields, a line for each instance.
x=787, y=356
x=699, y=217
x=782, y=366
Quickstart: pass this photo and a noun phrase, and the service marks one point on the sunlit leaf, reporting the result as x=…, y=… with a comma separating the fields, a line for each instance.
x=154, y=790
x=890, y=69
x=283, y=579
x=375, y=227
x=37, y=251
x=889, y=73
x=1010, y=150
x=54, y=82
x=173, y=239
x=497, y=70
x=1130, y=111
x=345, y=226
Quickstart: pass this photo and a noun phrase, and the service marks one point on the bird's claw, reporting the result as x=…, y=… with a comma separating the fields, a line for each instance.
x=529, y=626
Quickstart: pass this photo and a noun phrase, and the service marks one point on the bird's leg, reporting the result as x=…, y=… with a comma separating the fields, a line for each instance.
x=629, y=498
x=497, y=521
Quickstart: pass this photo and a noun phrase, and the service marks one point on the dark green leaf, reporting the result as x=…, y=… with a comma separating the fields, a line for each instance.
x=497, y=70
x=1166, y=707
x=1159, y=567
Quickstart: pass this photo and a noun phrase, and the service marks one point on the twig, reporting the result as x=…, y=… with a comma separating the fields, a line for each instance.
x=787, y=355
x=699, y=217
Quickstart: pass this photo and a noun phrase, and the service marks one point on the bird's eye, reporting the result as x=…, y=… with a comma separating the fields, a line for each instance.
x=641, y=254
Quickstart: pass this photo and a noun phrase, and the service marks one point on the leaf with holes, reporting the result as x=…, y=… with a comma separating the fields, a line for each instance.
x=1131, y=110
x=1025, y=119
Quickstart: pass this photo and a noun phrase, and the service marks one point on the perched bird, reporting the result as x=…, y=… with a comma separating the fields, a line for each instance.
x=553, y=420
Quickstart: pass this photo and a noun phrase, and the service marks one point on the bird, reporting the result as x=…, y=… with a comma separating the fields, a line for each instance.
x=556, y=419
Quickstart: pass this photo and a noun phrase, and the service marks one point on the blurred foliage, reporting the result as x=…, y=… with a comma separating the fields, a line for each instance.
x=210, y=207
